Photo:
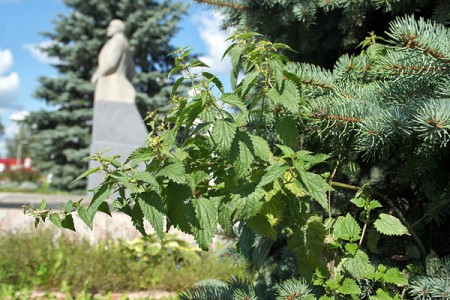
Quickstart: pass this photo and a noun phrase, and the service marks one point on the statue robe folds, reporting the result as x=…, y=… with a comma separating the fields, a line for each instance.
x=116, y=68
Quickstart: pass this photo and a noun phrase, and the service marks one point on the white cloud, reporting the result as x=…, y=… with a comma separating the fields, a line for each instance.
x=214, y=38
x=41, y=56
x=6, y=61
x=9, y=83
x=19, y=116
x=9, y=88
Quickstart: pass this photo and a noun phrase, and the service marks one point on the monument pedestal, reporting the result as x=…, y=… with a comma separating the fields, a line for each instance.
x=117, y=127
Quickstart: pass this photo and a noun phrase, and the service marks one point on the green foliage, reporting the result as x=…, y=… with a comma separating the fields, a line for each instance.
x=60, y=137
x=239, y=160
x=48, y=263
x=220, y=166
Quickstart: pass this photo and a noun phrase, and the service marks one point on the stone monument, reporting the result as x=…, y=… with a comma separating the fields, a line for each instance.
x=117, y=125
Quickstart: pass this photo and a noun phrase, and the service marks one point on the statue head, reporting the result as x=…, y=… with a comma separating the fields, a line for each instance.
x=115, y=26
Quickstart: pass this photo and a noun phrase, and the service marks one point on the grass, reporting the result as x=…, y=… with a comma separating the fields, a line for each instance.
x=40, y=261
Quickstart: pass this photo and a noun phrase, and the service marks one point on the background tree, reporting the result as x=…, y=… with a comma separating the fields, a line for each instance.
x=62, y=134
x=322, y=30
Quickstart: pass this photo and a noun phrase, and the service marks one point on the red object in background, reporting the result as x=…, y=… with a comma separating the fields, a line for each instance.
x=13, y=164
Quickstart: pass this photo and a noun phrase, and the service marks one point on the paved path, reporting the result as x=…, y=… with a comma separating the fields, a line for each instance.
x=16, y=200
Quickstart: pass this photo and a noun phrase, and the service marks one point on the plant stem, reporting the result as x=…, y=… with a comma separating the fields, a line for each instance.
x=330, y=179
x=363, y=233
x=345, y=186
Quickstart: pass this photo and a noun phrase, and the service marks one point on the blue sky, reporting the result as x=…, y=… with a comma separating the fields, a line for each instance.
x=21, y=63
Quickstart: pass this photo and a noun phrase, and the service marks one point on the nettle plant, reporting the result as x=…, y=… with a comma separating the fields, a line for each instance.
x=234, y=161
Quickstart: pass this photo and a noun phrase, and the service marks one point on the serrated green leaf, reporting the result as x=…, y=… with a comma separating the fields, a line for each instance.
x=249, y=34
x=261, y=148
x=87, y=173
x=225, y=221
x=261, y=225
x=228, y=50
x=283, y=46
x=359, y=265
x=315, y=185
x=394, y=276
x=233, y=99
x=287, y=151
x=383, y=295
x=104, y=208
x=100, y=195
x=349, y=287
x=390, y=225
x=197, y=63
x=137, y=218
x=287, y=131
x=351, y=248
x=296, y=188
x=248, y=200
x=347, y=228
x=309, y=159
x=194, y=179
x=223, y=134
x=122, y=178
x=177, y=84
x=179, y=207
x=277, y=71
x=273, y=172
x=68, y=206
x=43, y=204
x=248, y=82
x=54, y=218
x=173, y=171
x=287, y=95
x=373, y=204
x=146, y=177
x=307, y=244
x=153, y=210
x=241, y=155
x=235, y=56
x=142, y=154
x=174, y=70
x=206, y=213
x=67, y=222
x=214, y=80
x=359, y=202
x=86, y=215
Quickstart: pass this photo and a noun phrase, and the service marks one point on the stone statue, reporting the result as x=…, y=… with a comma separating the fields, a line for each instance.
x=117, y=124
x=115, y=67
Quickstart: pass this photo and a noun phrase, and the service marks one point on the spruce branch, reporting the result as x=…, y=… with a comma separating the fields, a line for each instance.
x=224, y=4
